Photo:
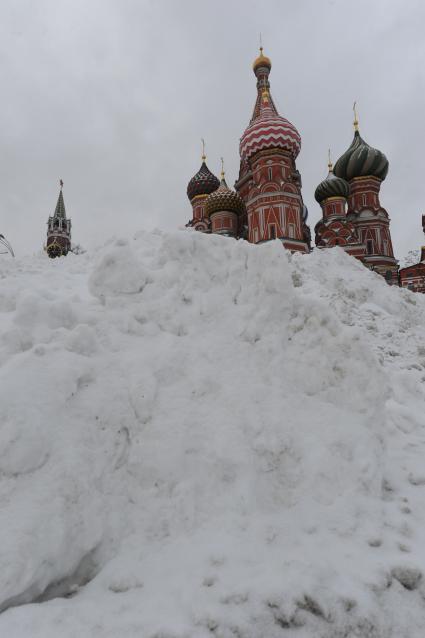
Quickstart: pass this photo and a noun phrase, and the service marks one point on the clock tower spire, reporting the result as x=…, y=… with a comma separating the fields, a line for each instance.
x=58, y=229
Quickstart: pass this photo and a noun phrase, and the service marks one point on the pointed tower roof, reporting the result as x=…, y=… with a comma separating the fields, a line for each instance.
x=261, y=67
x=60, y=206
x=268, y=130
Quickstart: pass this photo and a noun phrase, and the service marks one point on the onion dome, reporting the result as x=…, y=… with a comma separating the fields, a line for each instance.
x=332, y=186
x=203, y=183
x=261, y=61
x=224, y=199
x=361, y=160
x=269, y=130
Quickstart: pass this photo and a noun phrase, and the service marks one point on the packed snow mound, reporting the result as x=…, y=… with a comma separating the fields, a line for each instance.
x=201, y=437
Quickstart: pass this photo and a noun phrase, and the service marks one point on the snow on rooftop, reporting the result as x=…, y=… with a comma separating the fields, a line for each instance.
x=202, y=437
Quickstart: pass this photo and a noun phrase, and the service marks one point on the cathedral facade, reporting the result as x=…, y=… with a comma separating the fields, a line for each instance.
x=267, y=202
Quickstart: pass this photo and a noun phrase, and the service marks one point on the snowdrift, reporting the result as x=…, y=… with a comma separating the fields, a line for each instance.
x=201, y=437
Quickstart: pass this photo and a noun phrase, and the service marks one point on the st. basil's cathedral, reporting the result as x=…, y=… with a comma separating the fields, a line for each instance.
x=267, y=201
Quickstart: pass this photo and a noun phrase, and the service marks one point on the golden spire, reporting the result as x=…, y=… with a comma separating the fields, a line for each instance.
x=204, y=157
x=330, y=165
x=356, y=120
x=222, y=168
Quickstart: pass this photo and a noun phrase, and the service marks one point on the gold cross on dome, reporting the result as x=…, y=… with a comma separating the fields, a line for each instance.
x=356, y=120
x=330, y=165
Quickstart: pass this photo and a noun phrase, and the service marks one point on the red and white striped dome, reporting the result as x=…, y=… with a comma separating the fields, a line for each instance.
x=269, y=130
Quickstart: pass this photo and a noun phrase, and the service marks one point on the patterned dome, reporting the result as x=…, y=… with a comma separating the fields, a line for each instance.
x=203, y=183
x=269, y=130
x=332, y=186
x=224, y=199
x=361, y=160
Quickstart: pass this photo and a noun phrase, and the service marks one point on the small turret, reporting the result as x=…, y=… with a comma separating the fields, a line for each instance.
x=198, y=189
x=334, y=229
x=224, y=207
x=332, y=186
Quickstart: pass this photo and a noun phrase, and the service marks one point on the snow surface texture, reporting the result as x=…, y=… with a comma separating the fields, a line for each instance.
x=204, y=438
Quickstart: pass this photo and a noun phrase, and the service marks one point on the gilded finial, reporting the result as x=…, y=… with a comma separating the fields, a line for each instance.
x=61, y=183
x=204, y=157
x=262, y=60
x=330, y=165
x=356, y=120
x=222, y=168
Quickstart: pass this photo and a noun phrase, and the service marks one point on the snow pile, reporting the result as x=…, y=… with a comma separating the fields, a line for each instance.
x=200, y=437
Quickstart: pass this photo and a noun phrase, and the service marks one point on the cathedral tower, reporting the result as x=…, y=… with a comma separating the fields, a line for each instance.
x=334, y=229
x=198, y=189
x=269, y=183
x=365, y=168
x=225, y=209
x=58, y=230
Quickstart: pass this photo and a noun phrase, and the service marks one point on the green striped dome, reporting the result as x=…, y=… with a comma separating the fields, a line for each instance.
x=332, y=186
x=361, y=160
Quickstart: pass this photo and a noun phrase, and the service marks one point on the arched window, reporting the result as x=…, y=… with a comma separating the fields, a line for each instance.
x=270, y=170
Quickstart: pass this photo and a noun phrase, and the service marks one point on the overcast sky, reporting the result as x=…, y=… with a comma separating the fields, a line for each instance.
x=113, y=97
